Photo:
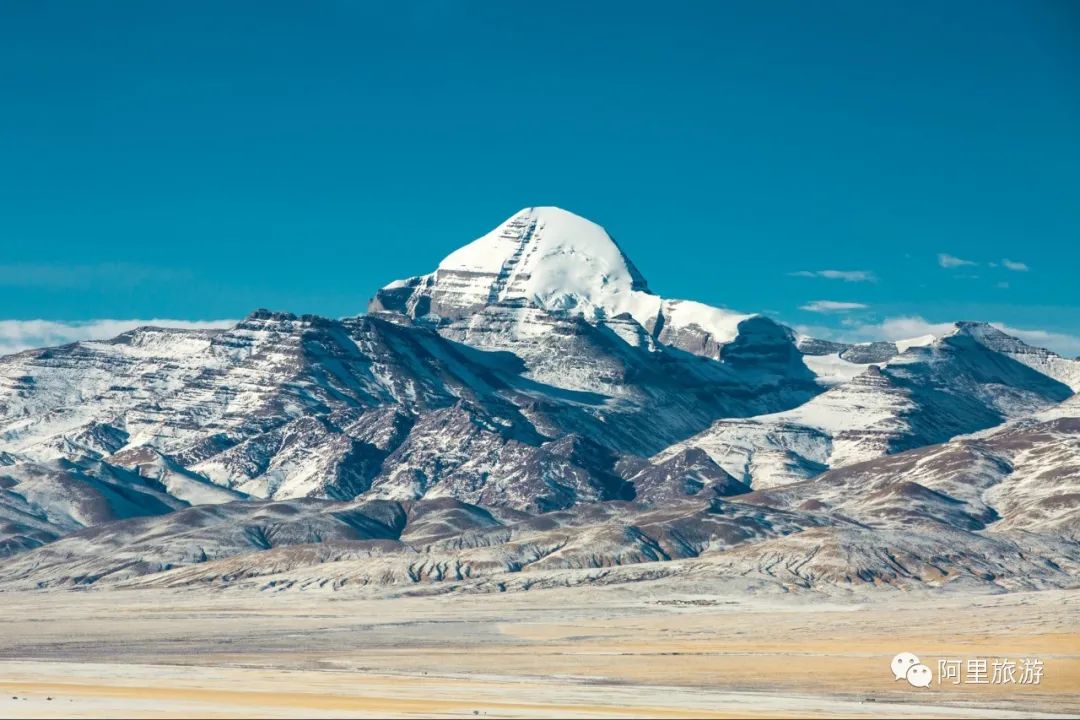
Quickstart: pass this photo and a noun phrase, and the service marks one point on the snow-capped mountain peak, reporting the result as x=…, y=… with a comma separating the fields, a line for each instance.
x=542, y=257
x=551, y=260
x=1047, y=362
x=545, y=250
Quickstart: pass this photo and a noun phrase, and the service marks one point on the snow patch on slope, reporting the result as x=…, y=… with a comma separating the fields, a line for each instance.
x=921, y=341
x=720, y=323
x=833, y=369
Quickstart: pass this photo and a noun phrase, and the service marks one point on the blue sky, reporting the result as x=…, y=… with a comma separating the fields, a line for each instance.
x=197, y=160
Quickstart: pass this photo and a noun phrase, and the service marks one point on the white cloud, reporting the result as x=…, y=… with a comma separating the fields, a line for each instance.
x=16, y=335
x=1014, y=265
x=825, y=306
x=946, y=260
x=903, y=328
x=845, y=275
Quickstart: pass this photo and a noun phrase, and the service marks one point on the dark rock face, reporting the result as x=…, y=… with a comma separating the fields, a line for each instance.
x=690, y=473
x=816, y=347
x=764, y=346
x=877, y=352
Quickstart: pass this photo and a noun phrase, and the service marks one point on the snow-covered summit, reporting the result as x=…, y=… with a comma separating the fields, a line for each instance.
x=543, y=257
x=552, y=260
x=1047, y=362
x=550, y=247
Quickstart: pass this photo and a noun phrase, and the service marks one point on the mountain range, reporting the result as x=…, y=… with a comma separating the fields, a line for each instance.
x=531, y=413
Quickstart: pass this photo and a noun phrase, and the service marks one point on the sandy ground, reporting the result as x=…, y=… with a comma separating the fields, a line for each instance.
x=641, y=650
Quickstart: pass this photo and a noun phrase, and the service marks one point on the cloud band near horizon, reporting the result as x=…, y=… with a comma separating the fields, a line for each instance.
x=19, y=335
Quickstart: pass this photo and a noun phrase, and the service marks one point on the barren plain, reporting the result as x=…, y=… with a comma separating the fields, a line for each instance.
x=646, y=649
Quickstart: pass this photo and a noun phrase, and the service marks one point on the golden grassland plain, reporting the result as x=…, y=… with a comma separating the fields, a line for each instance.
x=641, y=650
